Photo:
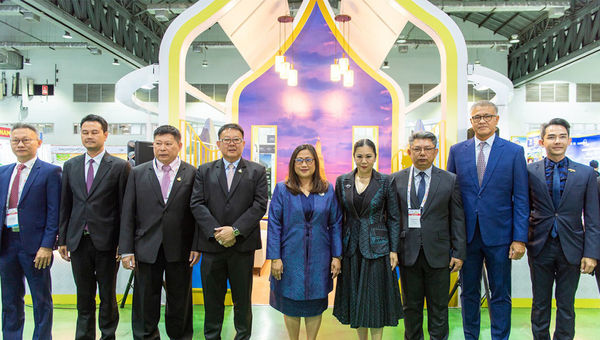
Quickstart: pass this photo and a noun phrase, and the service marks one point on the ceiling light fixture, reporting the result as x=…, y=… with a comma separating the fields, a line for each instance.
x=514, y=39
x=340, y=69
x=205, y=63
x=67, y=35
x=95, y=50
x=115, y=62
x=401, y=40
x=386, y=65
x=27, y=61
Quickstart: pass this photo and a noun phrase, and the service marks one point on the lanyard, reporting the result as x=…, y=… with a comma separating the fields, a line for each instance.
x=410, y=179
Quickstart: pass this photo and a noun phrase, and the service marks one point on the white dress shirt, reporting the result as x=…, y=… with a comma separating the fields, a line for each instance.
x=96, y=164
x=159, y=172
x=486, y=149
x=24, y=174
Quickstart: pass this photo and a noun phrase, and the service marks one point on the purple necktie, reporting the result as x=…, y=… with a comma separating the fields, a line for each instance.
x=90, y=175
x=481, y=162
x=166, y=180
x=13, y=198
x=229, y=174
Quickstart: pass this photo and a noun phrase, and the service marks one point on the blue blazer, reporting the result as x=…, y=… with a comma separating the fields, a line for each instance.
x=580, y=196
x=38, y=206
x=305, y=247
x=501, y=203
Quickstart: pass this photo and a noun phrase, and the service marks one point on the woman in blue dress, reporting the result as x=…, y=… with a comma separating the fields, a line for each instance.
x=303, y=243
x=367, y=294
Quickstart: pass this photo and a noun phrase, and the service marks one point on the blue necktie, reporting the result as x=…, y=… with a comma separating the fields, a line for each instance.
x=555, y=197
x=421, y=190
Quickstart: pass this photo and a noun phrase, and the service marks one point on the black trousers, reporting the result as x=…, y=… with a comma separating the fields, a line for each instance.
x=146, y=299
x=216, y=269
x=548, y=267
x=421, y=281
x=92, y=267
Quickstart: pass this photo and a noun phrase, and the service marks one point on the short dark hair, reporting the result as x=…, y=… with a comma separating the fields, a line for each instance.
x=594, y=164
x=95, y=118
x=168, y=130
x=364, y=142
x=422, y=135
x=230, y=126
x=319, y=185
x=555, y=121
x=24, y=126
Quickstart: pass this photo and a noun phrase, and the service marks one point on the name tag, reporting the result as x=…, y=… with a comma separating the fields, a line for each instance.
x=414, y=218
x=12, y=218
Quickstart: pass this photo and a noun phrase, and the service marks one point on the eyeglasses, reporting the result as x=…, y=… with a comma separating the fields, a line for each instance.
x=478, y=118
x=419, y=150
x=308, y=161
x=235, y=140
x=26, y=141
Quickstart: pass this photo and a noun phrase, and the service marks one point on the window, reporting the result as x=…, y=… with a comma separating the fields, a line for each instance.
x=93, y=93
x=218, y=92
x=137, y=129
x=547, y=92
x=475, y=95
x=416, y=91
x=588, y=93
x=45, y=128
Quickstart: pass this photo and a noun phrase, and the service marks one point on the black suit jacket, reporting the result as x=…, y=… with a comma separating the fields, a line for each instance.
x=100, y=209
x=147, y=221
x=580, y=196
x=442, y=220
x=242, y=207
x=378, y=219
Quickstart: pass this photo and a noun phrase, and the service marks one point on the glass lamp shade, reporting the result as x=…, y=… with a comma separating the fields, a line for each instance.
x=285, y=70
x=344, y=64
x=349, y=79
x=335, y=74
x=279, y=60
x=292, y=79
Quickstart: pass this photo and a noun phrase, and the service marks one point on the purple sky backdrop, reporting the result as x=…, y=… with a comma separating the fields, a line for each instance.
x=317, y=107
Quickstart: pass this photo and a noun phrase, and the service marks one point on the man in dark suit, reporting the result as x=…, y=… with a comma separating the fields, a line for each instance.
x=432, y=240
x=158, y=237
x=492, y=176
x=93, y=185
x=30, y=198
x=229, y=200
x=559, y=246
x=597, y=271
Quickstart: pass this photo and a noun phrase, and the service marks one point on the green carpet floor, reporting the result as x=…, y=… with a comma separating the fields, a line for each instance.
x=268, y=324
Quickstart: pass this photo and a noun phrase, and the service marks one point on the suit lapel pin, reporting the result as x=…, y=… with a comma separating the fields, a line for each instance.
x=240, y=171
x=571, y=170
x=321, y=194
x=178, y=179
x=348, y=186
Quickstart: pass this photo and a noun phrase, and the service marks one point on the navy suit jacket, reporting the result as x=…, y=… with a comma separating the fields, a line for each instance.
x=304, y=247
x=38, y=205
x=580, y=196
x=501, y=203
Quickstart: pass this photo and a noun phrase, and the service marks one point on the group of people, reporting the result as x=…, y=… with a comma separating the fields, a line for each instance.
x=162, y=217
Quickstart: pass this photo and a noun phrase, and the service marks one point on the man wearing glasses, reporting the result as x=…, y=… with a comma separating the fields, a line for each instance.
x=228, y=201
x=492, y=175
x=29, y=201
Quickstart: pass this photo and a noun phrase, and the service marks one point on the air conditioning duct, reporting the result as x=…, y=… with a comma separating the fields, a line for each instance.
x=10, y=60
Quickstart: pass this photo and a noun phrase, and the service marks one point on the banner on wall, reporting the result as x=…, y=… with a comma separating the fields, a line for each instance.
x=582, y=149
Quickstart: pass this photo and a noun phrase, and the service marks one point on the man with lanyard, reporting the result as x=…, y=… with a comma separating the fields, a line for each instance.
x=432, y=240
x=30, y=197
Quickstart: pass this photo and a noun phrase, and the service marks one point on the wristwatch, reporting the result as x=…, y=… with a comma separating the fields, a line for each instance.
x=236, y=231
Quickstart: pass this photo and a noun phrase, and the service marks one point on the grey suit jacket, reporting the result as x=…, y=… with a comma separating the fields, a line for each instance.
x=100, y=209
x=580, y=196
x=148, y=222
x=442, y=220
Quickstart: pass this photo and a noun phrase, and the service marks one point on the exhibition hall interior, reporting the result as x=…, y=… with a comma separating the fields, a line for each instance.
x=327, y=73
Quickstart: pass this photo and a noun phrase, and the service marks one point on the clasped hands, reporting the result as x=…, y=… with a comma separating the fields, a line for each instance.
x=224, y=235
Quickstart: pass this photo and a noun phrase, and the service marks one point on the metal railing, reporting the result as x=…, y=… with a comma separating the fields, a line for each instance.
x=194, y=150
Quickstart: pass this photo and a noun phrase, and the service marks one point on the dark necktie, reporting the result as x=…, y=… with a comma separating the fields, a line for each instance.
x=421, y=190
x=13, y=198
x=555, y=196
x=90, y=175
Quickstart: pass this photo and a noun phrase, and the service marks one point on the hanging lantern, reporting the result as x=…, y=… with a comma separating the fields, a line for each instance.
x=292, y=79
x=349, y=78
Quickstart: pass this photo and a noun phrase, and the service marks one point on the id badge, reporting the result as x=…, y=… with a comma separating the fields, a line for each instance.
x=414, y=218
x=12, y=218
